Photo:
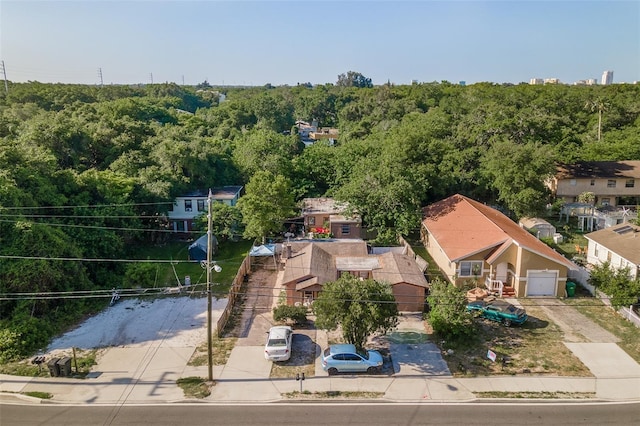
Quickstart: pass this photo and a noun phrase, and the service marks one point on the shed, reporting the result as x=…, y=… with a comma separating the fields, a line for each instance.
x=538, y=227
x=198, y=250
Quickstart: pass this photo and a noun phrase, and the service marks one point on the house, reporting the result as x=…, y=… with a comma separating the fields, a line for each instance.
x=325, y=133
x=613, y=183
x=310, y=264
x=187, y=207
x=538, y=227
x=619, y=245
x=329, y=214
x=470, y=241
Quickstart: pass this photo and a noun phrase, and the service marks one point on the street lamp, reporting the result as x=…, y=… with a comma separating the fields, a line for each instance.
x=216, y=268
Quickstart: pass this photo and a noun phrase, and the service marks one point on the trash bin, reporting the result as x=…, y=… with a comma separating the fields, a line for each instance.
x=65, y=366
x=571, y=289
x=54, y=368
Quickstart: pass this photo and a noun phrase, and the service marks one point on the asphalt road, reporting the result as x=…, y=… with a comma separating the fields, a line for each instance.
x=347, y=414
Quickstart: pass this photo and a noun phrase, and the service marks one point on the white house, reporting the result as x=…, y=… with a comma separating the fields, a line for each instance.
x=187, y=207
x=619, y=245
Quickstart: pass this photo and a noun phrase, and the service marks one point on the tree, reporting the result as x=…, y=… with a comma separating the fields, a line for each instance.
x=615, y=283
x=448, y=315
x=225, y=220
x=359, y=307
x=267, y=203
x=600, y=106
x=354, y=79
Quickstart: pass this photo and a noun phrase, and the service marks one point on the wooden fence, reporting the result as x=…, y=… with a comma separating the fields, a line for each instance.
x=234, y=294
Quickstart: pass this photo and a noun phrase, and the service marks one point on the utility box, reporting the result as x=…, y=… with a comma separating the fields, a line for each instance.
x=64, y=364
x=54, y=368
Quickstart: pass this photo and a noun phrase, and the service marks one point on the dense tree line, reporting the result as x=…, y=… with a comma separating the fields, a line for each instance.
x=118, y=155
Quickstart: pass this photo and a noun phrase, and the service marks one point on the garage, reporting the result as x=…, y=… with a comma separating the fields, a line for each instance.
x=542, y=283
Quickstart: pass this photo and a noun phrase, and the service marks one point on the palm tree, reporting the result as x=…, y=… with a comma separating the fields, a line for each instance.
x=600, y=106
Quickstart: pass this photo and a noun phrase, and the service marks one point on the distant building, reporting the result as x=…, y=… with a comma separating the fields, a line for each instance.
x=587, y=82
x=536, y=81
x=551, y=81
x=607, y=77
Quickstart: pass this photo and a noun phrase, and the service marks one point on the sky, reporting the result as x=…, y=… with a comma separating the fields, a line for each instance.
x=299, y=41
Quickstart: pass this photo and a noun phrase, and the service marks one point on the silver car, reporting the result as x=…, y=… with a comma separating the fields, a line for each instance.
x=278, y=346
x=346, y=358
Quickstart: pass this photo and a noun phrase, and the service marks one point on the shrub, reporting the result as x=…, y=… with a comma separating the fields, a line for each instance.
x=296, y=314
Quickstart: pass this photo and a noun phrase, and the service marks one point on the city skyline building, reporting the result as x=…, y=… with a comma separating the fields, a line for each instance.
x=607, y=77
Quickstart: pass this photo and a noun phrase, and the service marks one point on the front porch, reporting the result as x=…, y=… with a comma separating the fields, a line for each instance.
x=499, y=287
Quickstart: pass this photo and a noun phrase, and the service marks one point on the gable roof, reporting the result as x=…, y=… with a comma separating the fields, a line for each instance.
x=623, y=239
x=463, y=227
x=399, y=268
x=599, y=169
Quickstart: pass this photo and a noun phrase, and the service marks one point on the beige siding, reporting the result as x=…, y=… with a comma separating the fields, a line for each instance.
x=447, y=267
x=569, y=189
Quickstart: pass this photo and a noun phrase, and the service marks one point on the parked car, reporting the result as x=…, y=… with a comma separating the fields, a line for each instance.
x=498, y=310
x=278, y=346
x=346, y=358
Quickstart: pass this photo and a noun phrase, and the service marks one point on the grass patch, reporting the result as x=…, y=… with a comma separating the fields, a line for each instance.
x=230, y=256
x=607, y=318
x=333, y=395
x=221, y=349
x=536, y=395
x=534, y=348
x=194, y=387
x=41, y=395
x=84, y=358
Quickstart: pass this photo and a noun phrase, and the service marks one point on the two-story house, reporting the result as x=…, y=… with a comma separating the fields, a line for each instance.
x=187, y=207
x=329, y=214
x=613, y=183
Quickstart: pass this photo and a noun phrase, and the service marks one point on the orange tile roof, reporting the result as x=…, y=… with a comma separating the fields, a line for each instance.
x=463, y=227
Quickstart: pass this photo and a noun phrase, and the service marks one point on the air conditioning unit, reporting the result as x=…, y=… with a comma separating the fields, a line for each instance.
x=188, y=209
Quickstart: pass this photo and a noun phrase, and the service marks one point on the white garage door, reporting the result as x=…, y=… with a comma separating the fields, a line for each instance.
x=542, y=284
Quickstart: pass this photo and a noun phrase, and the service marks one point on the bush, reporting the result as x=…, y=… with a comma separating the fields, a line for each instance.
x=297, y=314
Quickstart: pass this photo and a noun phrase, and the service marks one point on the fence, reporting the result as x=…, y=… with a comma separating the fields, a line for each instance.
x=582, y=276
x=422, y=264
x=234, y=294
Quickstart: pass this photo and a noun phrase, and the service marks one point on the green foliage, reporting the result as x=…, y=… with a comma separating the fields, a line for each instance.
x=354, y=79
x=359, y=307
x=225, y=221
x=615, y=283
x=296, y=314
x=140, y=275
x=268, y=201
x=447, y=314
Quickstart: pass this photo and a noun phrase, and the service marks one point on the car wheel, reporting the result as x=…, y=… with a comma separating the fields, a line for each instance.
x=373, y=370
x=332, y=371
x=506, y=322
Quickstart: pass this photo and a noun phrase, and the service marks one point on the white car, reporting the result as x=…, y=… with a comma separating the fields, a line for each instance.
x=278, y=346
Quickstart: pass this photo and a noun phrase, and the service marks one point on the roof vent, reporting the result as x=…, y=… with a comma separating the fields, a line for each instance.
x=623, y=230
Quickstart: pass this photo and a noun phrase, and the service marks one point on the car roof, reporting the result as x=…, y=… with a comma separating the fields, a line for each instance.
x=279, y=331
x=342, y=348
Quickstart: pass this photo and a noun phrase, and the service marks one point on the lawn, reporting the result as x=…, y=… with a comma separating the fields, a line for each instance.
x=534, y=348
x=607, y=318
x=229, y=257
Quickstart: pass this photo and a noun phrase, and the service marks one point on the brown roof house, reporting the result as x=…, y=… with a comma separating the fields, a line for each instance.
x=471, y=241
x=328, y=214
x=613, y=183
x=619, y=245
x=309, y=265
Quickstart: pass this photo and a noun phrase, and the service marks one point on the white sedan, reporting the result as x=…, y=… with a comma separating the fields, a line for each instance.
x=278, y=346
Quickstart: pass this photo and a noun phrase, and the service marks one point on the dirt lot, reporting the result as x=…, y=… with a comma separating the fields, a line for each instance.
x=534, y=348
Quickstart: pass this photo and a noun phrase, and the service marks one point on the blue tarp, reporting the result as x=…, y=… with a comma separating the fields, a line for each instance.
x=263, y=250
x=198, y=250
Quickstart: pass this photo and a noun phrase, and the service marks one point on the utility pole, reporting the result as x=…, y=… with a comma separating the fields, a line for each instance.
x=209, y=337
x=151, y=77
x=4, y=72
x=100, y=75
x=183, y=79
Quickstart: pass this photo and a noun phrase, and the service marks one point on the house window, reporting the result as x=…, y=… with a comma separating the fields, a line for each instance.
x=345, y=229
x=471, y=269
x=595, y=250
x=593, y=182
x=611, y=183
x=572, y=182
x=312, y=220
x=187, y=205
x=629, y=183
x=200, y=205
x=609, y=256
x=606, y=201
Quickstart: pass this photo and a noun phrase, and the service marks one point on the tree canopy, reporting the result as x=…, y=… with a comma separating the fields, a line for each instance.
x=359, y=307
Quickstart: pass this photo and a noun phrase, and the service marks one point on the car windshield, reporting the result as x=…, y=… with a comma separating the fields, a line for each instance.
x=363, y=354
x=277, y=342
